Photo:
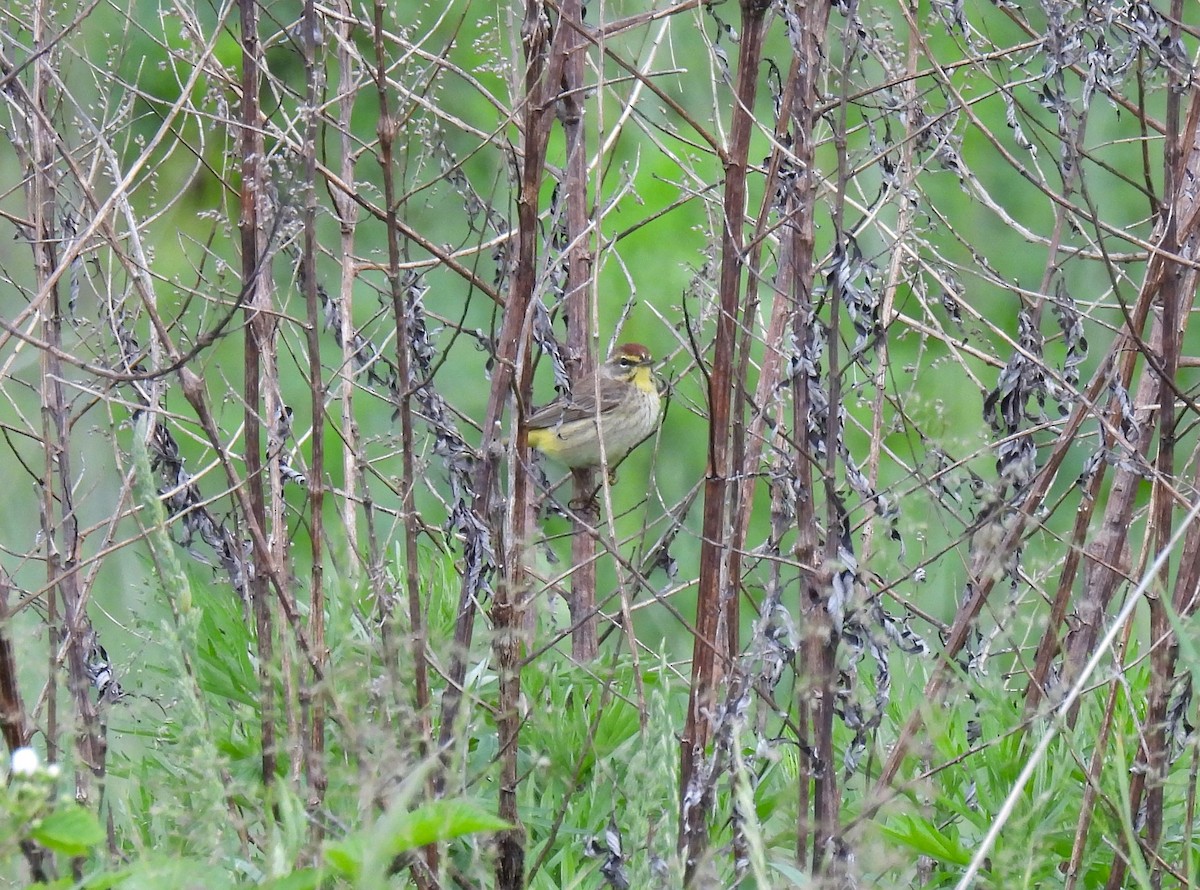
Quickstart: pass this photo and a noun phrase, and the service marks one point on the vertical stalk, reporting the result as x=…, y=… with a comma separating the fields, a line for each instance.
x=543, y=74
x=15, y=726
x=1162, y=661
x=715, y=585
x=347, y=214
x=386, y=129
x=312, y=697
x=60, y=526
x=14, y=722
x=250, y=226
x=43, y=264
x=356, y=466
x=579, y=315
x=821, y=629
x=1178, y=285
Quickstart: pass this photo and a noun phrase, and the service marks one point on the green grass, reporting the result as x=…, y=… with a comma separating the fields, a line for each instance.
x=590, y=753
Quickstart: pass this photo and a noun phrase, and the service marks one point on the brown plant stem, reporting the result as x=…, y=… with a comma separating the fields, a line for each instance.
x=254, y=342
x=543, y=76
x=386, y=129
x=716, y=588
x=311, y=698
x=59, y=518
x=1180, y=236
x=579, y=311
x=14, y=723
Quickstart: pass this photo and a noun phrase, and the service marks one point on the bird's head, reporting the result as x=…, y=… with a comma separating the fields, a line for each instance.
x=630, y=362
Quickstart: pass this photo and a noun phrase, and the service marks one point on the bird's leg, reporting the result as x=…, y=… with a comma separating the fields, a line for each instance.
x=589, y=506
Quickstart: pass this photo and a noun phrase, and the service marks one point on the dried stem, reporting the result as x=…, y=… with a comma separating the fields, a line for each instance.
x=716, y=591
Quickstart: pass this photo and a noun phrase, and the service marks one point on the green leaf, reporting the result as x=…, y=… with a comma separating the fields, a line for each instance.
x=440, y=820
x=369, y=856
x=792, y=873
x=923, y=837
x=346, y=856
x=71, y=831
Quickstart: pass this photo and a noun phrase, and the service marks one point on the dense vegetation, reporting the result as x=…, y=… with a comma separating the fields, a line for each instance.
x=902, y=591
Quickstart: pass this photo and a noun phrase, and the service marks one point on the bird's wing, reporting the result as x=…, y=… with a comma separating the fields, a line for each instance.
x=580, y=405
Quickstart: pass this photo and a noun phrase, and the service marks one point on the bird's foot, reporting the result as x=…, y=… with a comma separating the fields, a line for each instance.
x=587, y=508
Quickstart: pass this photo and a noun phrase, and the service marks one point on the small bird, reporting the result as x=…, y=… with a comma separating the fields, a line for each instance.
x=570, y=428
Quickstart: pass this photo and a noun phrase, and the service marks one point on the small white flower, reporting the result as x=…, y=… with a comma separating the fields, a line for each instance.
x=25, y=762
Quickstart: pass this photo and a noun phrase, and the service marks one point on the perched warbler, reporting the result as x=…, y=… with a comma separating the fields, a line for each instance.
x=570, y=428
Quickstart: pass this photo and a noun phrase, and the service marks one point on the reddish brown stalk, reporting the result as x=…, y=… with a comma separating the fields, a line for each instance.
x=1181, y=237
x=1051, y=644
x=1174, y=302
x=578, y=305
x=749, y=445
x=545, y=60
x=716, y=588
x=541, y=83
x=1107, y=555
